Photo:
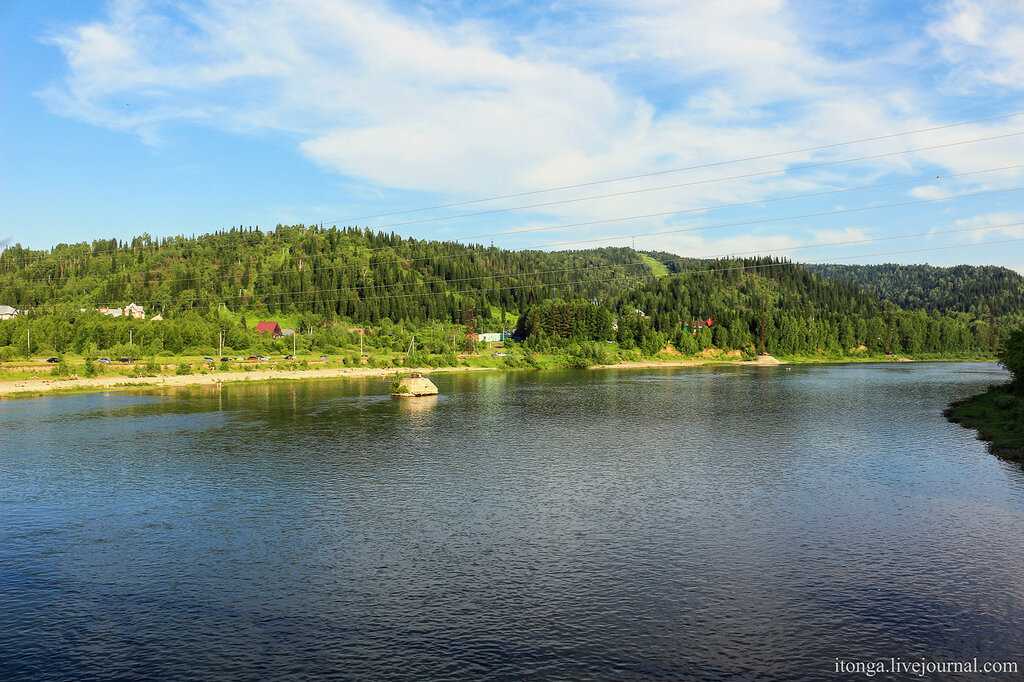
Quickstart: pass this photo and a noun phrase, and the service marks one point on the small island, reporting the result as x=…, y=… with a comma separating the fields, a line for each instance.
x=413, y=386
x=998, y=413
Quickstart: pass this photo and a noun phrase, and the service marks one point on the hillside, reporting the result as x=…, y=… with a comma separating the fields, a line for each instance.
x=983, y=290
x=322, y=281
x=762, y=305
x=359, y=274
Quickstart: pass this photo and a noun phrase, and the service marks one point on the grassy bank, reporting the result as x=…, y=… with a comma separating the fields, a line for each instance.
x=74, y=374
x=998, y=416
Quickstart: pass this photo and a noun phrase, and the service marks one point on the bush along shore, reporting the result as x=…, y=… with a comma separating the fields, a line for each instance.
x=998, y=413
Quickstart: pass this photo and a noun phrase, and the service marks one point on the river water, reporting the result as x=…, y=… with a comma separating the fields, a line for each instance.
x=705, y=523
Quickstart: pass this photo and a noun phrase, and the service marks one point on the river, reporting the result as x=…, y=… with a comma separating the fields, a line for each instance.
x=646, y=524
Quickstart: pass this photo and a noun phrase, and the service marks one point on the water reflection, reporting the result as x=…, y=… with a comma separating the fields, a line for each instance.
x=714, y=523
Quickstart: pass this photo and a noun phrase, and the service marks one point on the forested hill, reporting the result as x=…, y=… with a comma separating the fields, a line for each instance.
x=354, y=273
x=325, y=279
x=762, y=305
x=983, y=290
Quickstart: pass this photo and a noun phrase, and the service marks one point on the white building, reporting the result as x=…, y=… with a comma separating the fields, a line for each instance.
x=135, y=311
x=7, y=312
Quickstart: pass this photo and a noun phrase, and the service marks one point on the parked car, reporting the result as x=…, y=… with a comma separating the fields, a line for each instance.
x=289, y=357
x=323, y=358
x=263, y=358
x=53, y=361
x=208, y=359
x=126, y=360
x=103, y=361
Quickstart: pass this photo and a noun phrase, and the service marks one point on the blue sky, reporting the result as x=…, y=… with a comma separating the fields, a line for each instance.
x=184, y=117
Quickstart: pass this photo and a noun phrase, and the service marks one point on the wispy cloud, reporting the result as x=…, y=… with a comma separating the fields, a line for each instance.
x=1005, y=224
x=984, y=41
x=455, y=105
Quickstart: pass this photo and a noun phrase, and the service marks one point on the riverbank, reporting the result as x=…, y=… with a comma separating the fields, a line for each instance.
x=30, y=387
x=998, y=417
x=39, y=385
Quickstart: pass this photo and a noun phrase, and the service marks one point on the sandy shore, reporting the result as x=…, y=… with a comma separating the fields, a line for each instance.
x=762, y=360
x=35, y=386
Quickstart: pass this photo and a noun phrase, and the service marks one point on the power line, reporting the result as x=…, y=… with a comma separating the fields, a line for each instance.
x=679, y=259
x=684, y=168
x=92, y=253
x=782, y=171
x=564, y=243
x=754, y=202
x=704, y=209
x=746, y=267
x=784, y=218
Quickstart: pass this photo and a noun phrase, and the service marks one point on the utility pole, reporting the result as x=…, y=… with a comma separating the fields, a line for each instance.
x=294, y=337
x=130, y=337
x=28, y=349
x=220, y=344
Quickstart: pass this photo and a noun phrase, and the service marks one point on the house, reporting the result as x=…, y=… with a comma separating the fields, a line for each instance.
x=7, y=312
x=268, y=327
x=490, y=337
x=135, y=311
x=110, y=312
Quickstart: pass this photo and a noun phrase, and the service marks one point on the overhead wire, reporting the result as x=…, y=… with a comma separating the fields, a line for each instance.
x=712, y=164
x=700, y=228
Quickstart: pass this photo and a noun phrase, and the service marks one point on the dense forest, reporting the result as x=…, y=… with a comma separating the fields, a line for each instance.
x=984, y=290
x=762, y=305
x=331, y=282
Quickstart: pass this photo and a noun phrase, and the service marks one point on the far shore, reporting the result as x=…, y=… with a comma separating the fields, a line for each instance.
x=17, y=388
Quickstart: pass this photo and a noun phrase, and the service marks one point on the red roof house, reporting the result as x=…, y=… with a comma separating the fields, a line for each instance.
x=268, y=327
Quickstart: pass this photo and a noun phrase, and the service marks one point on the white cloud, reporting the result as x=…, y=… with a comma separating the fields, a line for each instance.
x=470, y=108
x=984, y=40
x=849, y=234
x=1003, y=224
x=929, y=192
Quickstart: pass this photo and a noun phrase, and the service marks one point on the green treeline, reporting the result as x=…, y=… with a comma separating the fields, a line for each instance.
x=348, y=273
x=329, y=283
x=983, y=290
x=998, y=413
x=760, y=305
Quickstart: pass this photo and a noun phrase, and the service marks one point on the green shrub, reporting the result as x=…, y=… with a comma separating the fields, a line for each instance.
x=1012, y=357
x=61, y=369
x=90, y=368
x=183, y=368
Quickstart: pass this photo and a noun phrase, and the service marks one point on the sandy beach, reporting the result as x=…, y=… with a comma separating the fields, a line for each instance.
x=35, y=386
x=15, y=388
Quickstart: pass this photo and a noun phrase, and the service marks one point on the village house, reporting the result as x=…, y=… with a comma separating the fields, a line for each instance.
x=268, y=327
x=110, y=312
x=7, y=312
x=135, y=311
